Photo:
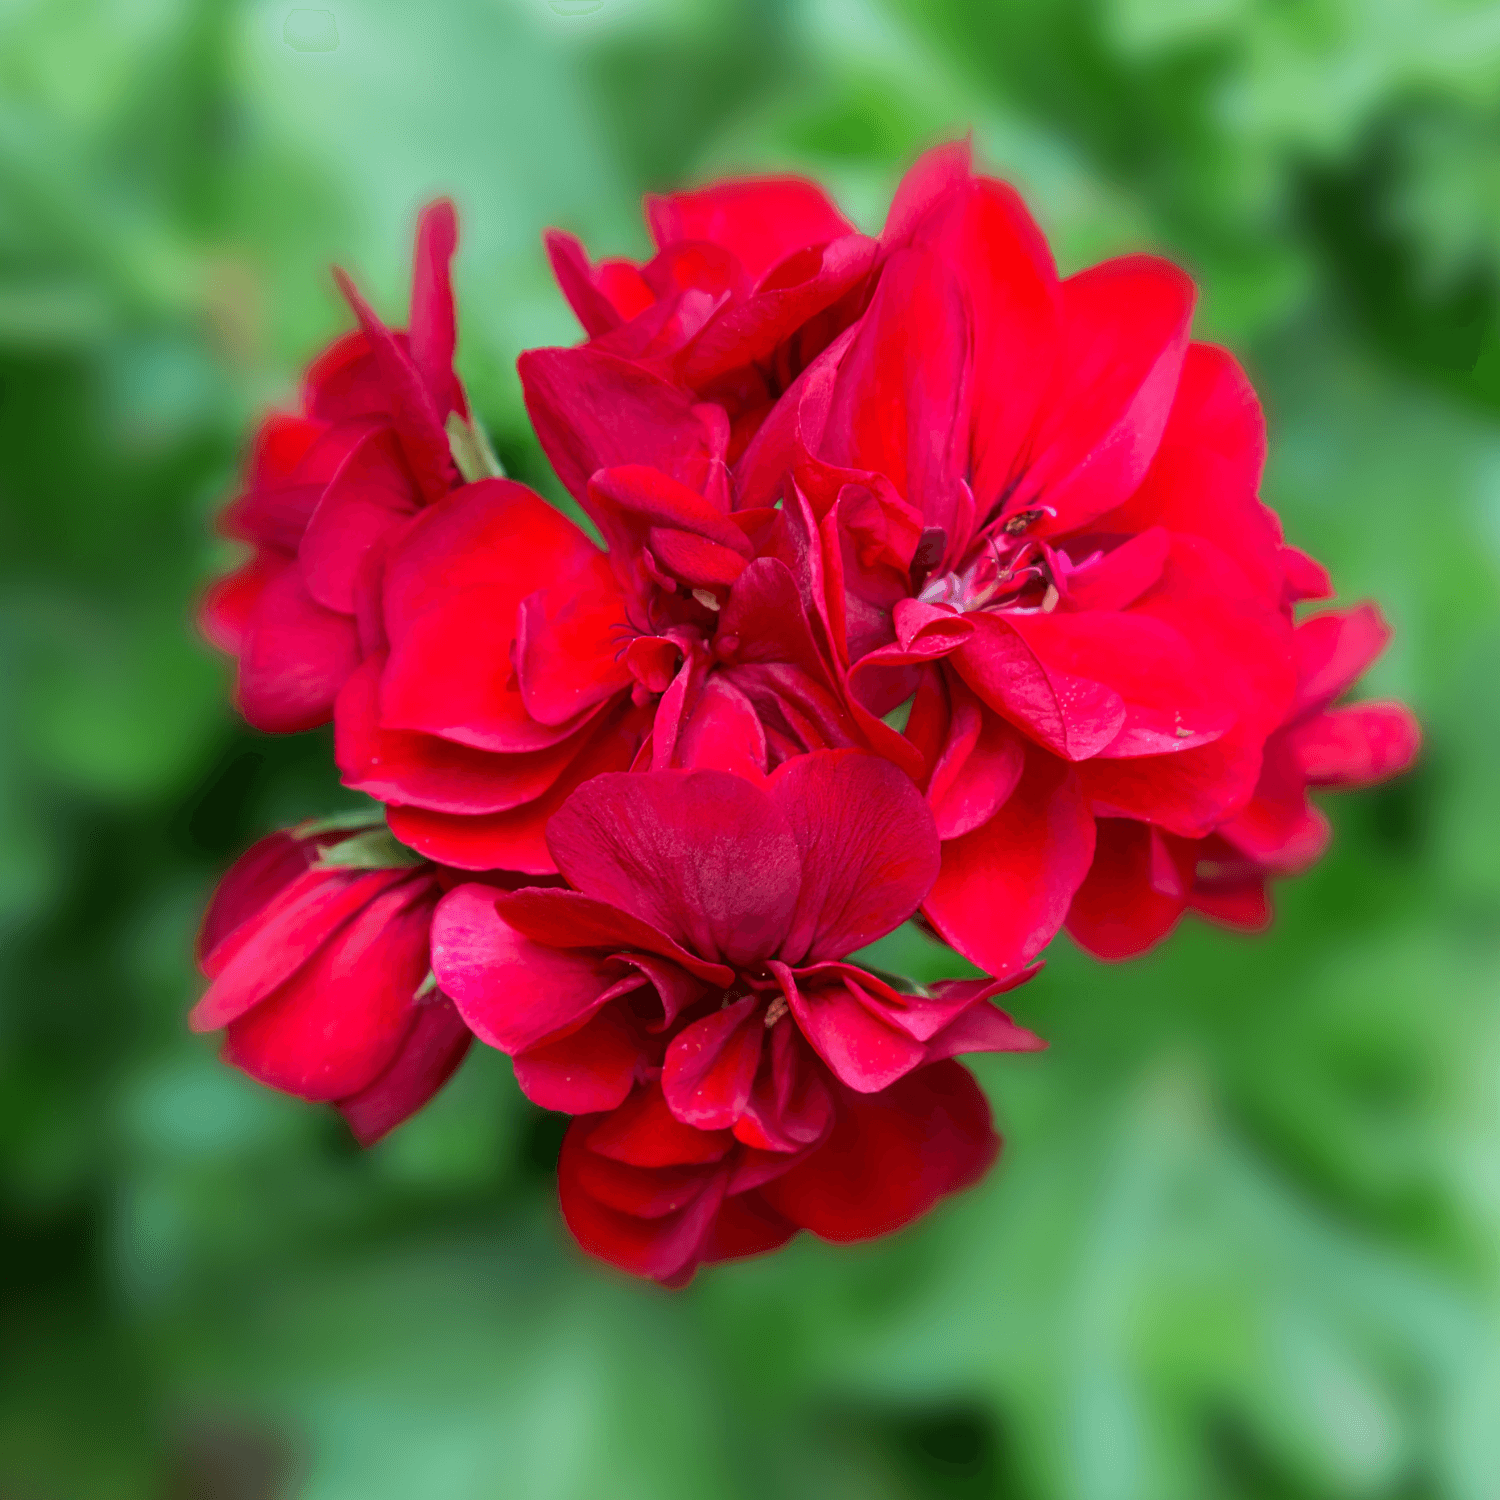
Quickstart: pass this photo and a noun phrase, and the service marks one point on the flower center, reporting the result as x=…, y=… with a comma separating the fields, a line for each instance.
x=1004, y=570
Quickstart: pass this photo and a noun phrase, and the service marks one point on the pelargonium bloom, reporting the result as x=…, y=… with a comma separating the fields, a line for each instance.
x=1142, y=880
x=695, y=976
x=317, y=945
x=1030, y=507
x=382, y=414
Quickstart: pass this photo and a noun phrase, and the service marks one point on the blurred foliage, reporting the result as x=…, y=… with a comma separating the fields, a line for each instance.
x=1245, y=1241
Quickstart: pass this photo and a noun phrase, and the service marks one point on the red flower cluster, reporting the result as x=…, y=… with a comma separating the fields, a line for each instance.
x=844, y=483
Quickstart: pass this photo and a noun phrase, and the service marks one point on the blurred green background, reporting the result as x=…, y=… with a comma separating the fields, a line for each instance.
x=1245, y=1241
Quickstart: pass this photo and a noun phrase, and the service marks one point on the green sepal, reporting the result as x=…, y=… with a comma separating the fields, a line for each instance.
x=372, y=815
x=470, y=446
x=374, y=849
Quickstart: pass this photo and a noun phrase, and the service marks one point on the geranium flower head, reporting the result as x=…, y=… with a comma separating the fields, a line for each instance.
x=701, y=955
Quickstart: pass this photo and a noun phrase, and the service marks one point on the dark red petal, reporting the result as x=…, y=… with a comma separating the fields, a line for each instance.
x=339, y=1021
x=297, y=656
x=723, y=733
x=891, y=1156
x=1356, y=746
x=397, y=766
x=710, y=1065
x=703, y=856
x=644, y=1132
x=868, y=847
x=252, y=960
x=263, y=870
x=436, y=1043
x=762, y=220
x=371, y=493
x=517, y=840
x=982, y=1028
x=1136, y=890
x=665, y=1247
x=591, y=1069
x=864, y=1050
x=745, y=1225
x=512, y=992
x=1004, y=889
x=570, y=919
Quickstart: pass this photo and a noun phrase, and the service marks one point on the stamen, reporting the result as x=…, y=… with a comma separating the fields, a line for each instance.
x=776, y=1010
x=707, y=600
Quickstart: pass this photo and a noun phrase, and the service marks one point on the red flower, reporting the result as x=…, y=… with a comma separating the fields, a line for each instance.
x=751, y=280
x=1142, y=880
x=369, y=450
x=319, y=966
x=1032, y=505
x=700, y=954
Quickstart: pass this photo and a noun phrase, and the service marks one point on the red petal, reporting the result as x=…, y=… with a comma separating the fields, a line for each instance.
x=1004, y=889
x=710, y=1066
x=1072, y=716
x=1120, y=909
x=644, y=1132
x=397, y=766
x=580, y=285
x=339, y=1022
x=868, y=848
x=591, y=1069
x=256, y=957
x=703, y=856
x=495, y=533
x=1334, y=650
x=249, y=884
x=891, y=1156
x=432, y=334
x=297, y=656
x=864, y=1050
x=516, y=840
x=414, y=408
x=569, y=919
x=451, y=675
x=1124, y=336
x=592, y=411
x=976, y=767
x=512, y=992
x=762, y=220
x=1356, y=746
x=370, y=494
x=436, y=1044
